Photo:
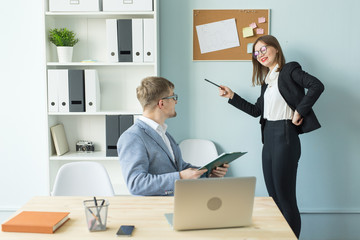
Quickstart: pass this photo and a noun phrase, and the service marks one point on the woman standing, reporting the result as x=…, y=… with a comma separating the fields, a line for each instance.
x=285, y=111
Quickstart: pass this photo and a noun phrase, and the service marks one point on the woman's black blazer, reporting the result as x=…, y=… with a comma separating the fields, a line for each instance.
x=292, y=82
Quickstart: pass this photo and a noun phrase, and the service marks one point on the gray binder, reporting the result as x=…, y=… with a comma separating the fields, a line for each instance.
x=125, y=121
x=76, y=91
x=115, y=126
x=112, y=134
x=124, y=31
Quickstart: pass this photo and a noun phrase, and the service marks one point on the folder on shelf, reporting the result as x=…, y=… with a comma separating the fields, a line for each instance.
x=53, y=101
x=124, y=31
x=125, y=121
x=59, y=139
x=36, y=222
x=115, y=126
x=112, y=134
x=63, y=89
x=149, y=44
x=92, y=91
x=112, y=41
x=76, y=90
x=137, y=40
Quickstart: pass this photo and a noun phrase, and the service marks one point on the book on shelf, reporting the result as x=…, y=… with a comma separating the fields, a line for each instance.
x=59, y=138
x=35, y=222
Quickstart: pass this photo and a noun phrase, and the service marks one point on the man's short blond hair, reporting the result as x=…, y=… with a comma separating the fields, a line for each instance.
x=152, y=89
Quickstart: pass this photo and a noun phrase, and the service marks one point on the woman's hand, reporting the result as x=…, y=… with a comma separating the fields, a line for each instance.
x=297, y=119
x=224, y=91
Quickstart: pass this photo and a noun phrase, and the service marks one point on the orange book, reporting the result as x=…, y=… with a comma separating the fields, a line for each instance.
x=35, y=222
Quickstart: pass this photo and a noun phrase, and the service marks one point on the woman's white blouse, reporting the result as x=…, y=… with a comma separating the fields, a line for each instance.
x=275, y=107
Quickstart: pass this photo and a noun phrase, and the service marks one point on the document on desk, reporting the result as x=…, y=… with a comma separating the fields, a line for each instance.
x=221, y=159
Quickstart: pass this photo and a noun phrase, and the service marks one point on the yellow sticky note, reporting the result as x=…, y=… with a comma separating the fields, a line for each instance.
x=247, y=32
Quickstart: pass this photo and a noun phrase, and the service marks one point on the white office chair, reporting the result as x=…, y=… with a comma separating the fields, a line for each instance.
x=82, y=179
x=198, y=152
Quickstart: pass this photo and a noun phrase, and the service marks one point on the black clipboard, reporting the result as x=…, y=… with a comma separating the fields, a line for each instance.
x=221, y=159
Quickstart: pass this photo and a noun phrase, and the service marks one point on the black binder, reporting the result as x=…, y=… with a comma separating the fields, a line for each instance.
x=76, y=90
x=124, y=31
x=115, y=126
x=125, y=121
x=112, y=134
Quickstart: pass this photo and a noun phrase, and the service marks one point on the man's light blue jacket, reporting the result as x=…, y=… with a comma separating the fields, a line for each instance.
x=146, y=163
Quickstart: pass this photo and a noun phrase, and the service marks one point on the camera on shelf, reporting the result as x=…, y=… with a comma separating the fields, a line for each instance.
x=85, y=146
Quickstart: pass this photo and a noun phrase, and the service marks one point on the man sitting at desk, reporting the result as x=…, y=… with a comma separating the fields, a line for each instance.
x=149, y=156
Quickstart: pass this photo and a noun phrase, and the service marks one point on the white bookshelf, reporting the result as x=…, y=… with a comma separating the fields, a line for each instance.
x=80, y=156
x=98, y=64
x=118, y=82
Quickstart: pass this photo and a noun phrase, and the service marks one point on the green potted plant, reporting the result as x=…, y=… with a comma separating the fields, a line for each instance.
x=64, y=40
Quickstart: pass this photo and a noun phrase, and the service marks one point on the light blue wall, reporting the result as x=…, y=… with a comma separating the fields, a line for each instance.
x=324, y=37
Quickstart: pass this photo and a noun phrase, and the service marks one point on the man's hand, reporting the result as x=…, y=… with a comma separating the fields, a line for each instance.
x=191, y=173
x=220, y=171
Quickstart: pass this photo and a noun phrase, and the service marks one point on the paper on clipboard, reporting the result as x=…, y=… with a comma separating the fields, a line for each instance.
x=221, y=159
x=217, y=35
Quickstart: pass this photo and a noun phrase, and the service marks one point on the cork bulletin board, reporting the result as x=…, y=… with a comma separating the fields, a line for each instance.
x=249, y=24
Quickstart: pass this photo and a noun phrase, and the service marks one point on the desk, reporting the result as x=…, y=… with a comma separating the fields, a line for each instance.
x=147, y=214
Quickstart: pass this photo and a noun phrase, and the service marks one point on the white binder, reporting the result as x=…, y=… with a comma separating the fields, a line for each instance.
x=63, y=89
x=137, y=40
x=149, y=41
x=53, y=101
x=112, y=40
x=92, y=91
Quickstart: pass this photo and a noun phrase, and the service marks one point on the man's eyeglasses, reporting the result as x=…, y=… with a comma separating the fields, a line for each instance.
x=175, y=97
x=262, y=50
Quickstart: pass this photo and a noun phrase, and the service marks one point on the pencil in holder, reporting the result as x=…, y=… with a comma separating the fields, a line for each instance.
x=96, y=214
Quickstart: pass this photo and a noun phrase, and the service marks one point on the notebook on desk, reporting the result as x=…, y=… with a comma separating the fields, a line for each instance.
x=212, y=203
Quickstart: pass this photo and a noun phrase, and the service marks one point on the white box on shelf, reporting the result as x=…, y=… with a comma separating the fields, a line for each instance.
x=74, y=5
x=128, y=5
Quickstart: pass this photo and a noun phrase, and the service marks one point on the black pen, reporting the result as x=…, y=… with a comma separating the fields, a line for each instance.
x=101, y=205
x=98, y=212
x=213, y=83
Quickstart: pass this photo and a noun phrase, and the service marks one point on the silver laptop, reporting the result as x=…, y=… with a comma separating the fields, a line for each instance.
x=212, y=203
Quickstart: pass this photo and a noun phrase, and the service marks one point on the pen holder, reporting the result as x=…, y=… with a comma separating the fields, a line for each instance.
x=96, y=214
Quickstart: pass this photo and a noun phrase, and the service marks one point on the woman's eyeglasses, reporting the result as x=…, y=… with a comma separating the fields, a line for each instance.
x=262, y=50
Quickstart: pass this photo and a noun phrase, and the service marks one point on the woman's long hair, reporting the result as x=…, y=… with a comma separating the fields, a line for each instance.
x=260, y=71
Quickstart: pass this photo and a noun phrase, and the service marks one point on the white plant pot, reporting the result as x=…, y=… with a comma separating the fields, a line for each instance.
x=65, y=54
